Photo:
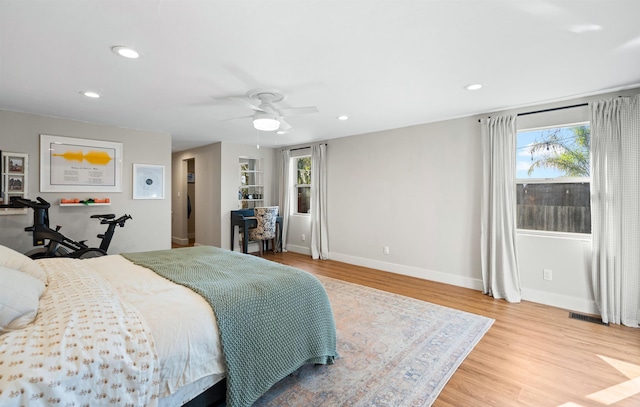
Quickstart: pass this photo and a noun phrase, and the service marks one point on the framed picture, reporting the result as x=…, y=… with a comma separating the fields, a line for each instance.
x=15, y=183
x=191, y=178
x=148, y=181
x=15, y=165
x=79, y=165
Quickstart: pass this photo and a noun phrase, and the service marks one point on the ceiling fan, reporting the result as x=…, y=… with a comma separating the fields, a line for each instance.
x=267, y=117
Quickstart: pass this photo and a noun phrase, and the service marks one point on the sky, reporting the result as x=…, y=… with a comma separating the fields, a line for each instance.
x=523, y=153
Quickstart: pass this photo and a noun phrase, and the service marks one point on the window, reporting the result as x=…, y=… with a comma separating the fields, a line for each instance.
x=553, y=179
x=303, y=184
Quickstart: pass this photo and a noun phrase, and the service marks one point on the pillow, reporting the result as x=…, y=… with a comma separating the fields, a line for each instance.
x=19, y=297
x=12, y=259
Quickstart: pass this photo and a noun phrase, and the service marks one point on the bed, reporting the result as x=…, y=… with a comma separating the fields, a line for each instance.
x=139, y=329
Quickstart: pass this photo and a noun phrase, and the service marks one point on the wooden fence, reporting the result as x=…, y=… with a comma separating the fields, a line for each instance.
x=554, y=207
x=554, y=218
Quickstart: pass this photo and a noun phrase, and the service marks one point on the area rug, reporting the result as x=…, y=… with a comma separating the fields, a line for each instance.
x=394, y=351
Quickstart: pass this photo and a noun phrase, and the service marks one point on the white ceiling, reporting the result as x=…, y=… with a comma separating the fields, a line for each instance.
x=386, y=64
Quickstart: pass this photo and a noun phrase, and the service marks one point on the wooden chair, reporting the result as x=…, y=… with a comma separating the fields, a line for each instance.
x=266, y=228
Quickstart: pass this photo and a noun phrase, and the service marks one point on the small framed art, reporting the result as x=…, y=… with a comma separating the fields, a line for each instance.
x=15, y=183
x=15, y=164
x=148, y=181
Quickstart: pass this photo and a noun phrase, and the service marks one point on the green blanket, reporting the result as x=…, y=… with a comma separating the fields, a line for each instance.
x=272, y=318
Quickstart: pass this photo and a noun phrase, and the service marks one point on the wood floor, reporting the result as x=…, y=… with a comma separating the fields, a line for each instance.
x=533, y=355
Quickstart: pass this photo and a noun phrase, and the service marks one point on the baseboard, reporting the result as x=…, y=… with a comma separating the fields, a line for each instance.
x=179, y=240
x=252, y=247
x=417, y=272
x=561, y=301
x=540, y=297
x=299, y=249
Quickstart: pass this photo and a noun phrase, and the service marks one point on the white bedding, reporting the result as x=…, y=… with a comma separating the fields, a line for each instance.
x=177, y=351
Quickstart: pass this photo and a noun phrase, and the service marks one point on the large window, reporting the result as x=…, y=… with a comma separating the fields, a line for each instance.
x=553, y=179
x=303, y=184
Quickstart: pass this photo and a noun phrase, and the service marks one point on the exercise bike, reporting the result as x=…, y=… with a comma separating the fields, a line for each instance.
x=55, y=244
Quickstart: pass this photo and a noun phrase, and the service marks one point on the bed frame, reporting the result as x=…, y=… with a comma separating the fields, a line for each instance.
x=214, y=396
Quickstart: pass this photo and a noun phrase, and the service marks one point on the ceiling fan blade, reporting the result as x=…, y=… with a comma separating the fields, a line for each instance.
x=247, y=103
x=297, y=110
x=284, y=126
x=236, y=118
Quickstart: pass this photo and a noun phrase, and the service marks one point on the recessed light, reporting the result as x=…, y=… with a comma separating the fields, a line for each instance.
x=125, y=52
x=343, y=117
x=585, y=28
x=90, y=94
x=474, y=86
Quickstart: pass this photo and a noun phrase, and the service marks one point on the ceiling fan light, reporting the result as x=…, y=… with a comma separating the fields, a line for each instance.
x=125, y=52
x=266, y=121
x=91, y=94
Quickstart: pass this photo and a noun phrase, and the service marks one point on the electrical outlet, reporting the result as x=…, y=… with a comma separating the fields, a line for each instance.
x=547, y=274
x=304, y=237
x=385, y=250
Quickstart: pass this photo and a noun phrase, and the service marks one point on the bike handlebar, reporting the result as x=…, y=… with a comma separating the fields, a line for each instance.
x=120, y=221
x=41, y=204
x=107, y=216
x=109, y=219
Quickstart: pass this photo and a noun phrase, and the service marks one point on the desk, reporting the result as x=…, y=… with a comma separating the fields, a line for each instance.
x=244, y=219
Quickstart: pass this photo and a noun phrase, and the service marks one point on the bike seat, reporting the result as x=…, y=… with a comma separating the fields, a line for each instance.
x=108, y=216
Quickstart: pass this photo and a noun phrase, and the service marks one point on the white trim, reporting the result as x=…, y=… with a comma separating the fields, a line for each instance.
x=552, y=126
x=540, y=297
x=556, y=180
x=179, y=240
x=561, y=301
x=299, y=249
x=583, y=237
x=425, y=274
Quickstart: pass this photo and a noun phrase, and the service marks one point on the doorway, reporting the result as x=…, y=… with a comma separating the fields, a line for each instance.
x=191, y=200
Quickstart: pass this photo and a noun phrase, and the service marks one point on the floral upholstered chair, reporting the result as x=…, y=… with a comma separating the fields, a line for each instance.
x=266, y=229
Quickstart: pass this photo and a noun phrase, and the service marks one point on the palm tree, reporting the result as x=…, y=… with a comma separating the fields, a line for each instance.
x=304, y=170
x=566, y=153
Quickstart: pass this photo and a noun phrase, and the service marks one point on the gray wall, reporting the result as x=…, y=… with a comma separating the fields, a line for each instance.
x=216, y=190
x=417, y=191
x=150, y=227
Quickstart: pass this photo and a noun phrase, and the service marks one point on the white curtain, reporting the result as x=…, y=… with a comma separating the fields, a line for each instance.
x=319, y=233
x=284, y=200
x=615, y=208
x=500, y=275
